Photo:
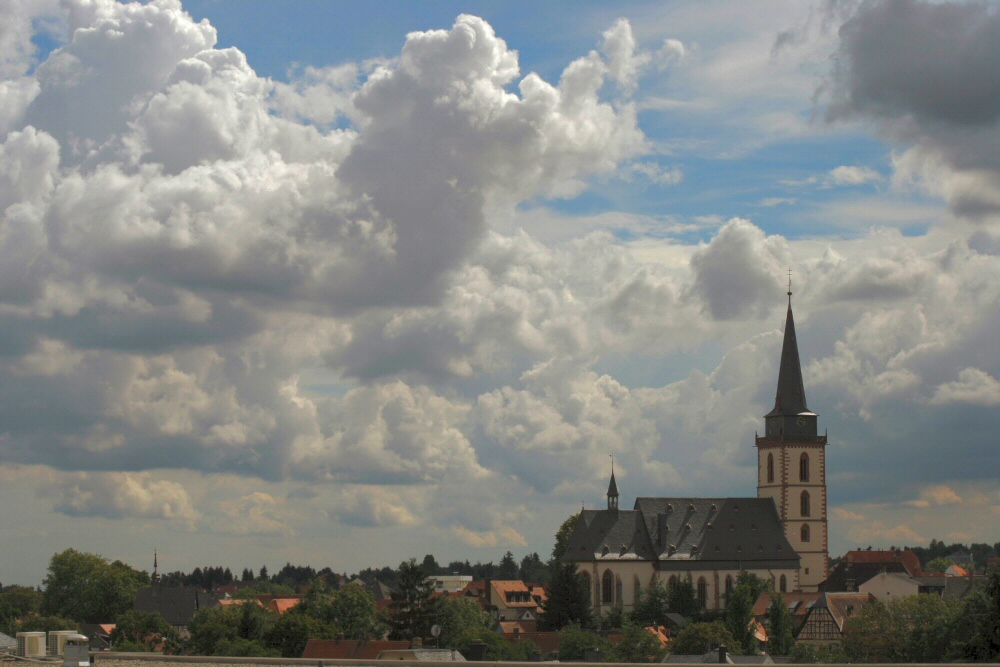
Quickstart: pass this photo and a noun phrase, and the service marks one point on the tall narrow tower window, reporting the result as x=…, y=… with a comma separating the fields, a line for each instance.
x=770, y=468
x=783, y=586
x=804, y=467
x=805, y=503
x=702, y=591
x=804, y=532
x=586, y=583
x=608, y=588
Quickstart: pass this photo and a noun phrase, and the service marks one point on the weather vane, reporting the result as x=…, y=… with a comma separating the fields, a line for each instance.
x=789, y=281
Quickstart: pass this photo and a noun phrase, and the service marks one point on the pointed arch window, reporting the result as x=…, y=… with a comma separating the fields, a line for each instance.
x=770, y=468
x=729, y=587
x=618, y=589
x=804, y=467
x=702, y=591
x=804, y=504
x=783, y=584
x=804, y=532
x=636, y=589
x=585, y=578
x=608, y=588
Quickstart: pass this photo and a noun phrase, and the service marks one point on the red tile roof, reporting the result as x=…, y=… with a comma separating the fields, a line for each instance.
x=349, y=649
x=803, y=600
x=907, y=558
x=506, y=627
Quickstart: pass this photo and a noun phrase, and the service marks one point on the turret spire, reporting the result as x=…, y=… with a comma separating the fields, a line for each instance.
x=612, y=488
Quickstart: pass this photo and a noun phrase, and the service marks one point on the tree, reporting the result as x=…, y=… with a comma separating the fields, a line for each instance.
x=263, y=573
x=462, y=622
x=739, y=610
x=352, y=612
x=614, y=619
x=682, y=599
x=239, y=630
x=939, y=565
x=89, y=588
x=567, y=599
x=562, y=537
x=247, y=574
x=700, y=638
x=414, y=610
x=637, y=645
x=574, y=642
x=978, y=637
x=779, y=626
x=653, y=605
x=507, y=570
x=534, y=569
x=917, y=628
x=34, y=623
x=141, y=629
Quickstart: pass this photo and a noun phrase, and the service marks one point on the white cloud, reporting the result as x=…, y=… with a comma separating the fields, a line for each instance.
x=973, y=386
x=739, y=273
x=254, y=513
x=846, y=175
x=121, y=496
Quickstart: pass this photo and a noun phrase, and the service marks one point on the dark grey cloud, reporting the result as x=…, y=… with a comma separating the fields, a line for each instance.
x=927, y=74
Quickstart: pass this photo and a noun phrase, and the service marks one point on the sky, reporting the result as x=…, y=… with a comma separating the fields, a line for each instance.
x=342, y=284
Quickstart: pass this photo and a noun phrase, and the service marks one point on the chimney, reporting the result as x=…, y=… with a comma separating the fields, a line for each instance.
x=722, y=654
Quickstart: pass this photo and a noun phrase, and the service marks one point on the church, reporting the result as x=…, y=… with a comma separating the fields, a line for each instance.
x=780, y=536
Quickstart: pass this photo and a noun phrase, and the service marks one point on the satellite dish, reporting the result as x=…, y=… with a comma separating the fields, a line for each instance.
x=435, y=630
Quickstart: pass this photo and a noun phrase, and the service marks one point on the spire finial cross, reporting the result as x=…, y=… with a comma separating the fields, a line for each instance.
x=612, y=463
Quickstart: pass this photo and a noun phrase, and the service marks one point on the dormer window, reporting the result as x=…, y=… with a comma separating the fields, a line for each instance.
x=691, y=507
x=736, y=508
x=670, y=508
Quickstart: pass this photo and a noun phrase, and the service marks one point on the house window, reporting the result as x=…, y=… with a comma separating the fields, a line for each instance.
x=784, y=584
x=618, y=590
x=702, y=591
x=804, y=503
x=729, y=587
x=636, y=589
x=805, y=532
x=804, y=467
x=586, y=584
x=608, y=587
x=770, y=468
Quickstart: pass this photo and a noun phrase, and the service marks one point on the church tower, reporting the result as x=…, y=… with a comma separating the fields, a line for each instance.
x=791, y=465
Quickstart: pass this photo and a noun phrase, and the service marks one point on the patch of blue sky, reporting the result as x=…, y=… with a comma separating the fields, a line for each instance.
x=277, y=35
x=781, y=187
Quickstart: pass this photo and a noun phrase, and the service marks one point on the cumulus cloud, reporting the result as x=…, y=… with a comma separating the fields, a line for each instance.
x=739, y=273
x=372, y=507
x=935, y=496
x=121, y=496
x=254, y=513
x=973, y=386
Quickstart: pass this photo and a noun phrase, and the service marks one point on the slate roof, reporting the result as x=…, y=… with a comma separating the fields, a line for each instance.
x=859, y=573
x=681, y=533
x=7, y=642
x=958, y=588
x=177, y=605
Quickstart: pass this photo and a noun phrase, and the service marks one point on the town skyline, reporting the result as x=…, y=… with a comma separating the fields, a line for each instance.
x=314, y=281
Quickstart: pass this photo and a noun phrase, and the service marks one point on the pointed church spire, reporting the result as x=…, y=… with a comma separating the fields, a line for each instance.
x=612, y=488
x=791, y=414
x=790, y=398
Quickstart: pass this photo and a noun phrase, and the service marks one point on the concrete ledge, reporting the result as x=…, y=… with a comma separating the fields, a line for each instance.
x=103, y=656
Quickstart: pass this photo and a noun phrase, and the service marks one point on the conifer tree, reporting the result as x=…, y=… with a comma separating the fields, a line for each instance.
x=414, y=610
x=779, y=627
x=567, y=599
